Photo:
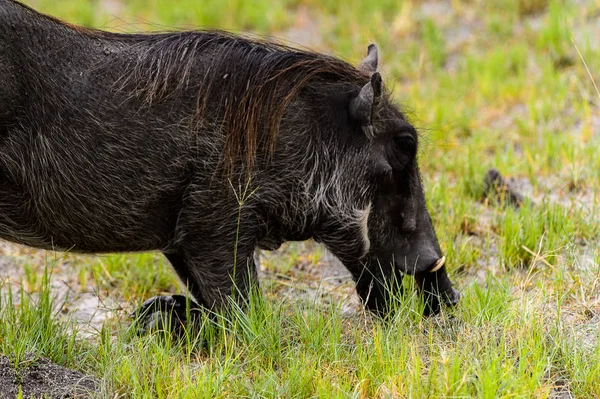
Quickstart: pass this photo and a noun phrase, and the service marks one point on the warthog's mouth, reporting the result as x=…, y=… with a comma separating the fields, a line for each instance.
x=437, y=265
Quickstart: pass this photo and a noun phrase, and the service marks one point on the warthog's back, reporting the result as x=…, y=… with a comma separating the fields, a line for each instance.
x=81, y=166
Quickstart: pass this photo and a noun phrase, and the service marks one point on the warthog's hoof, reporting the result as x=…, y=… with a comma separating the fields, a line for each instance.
x=170, y=313
x=433, y=301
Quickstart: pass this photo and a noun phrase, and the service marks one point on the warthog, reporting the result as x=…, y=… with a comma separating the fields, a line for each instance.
x=206, y=146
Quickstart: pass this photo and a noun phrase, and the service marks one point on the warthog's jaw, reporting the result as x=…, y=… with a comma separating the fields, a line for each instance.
x=437, y=265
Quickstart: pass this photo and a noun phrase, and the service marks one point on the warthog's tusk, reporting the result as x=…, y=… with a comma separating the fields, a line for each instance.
x=438, y=265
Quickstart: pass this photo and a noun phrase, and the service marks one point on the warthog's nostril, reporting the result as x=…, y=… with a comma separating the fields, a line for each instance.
x=437, y=265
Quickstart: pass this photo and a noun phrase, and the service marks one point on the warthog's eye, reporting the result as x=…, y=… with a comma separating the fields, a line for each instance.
x=406, y=143
x=404, y=150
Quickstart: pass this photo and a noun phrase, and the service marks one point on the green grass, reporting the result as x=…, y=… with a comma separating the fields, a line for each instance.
x=491, y=346
x=30, y=325
x=511, y=93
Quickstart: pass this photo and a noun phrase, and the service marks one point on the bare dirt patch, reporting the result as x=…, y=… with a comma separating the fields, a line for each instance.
x=41, y=378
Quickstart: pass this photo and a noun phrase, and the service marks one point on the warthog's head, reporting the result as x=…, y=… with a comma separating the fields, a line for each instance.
x=396, y=232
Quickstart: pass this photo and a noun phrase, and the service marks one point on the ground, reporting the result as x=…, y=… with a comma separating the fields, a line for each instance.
x=37, y=377
x=508, y=85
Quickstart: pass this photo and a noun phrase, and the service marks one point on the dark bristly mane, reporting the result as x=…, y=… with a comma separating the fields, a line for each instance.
x=243, y=84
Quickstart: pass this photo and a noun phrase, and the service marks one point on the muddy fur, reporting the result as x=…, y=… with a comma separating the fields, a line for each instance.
x=206, y=146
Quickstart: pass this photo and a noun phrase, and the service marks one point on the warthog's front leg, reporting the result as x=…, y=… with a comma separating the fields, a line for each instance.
x=212, y=285
x=167, y=312
x=171, y=311
x=437, y=289
x=207, y=264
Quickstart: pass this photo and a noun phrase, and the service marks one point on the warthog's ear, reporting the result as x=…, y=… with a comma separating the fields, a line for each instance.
x=362, y=107
x=371, y=62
